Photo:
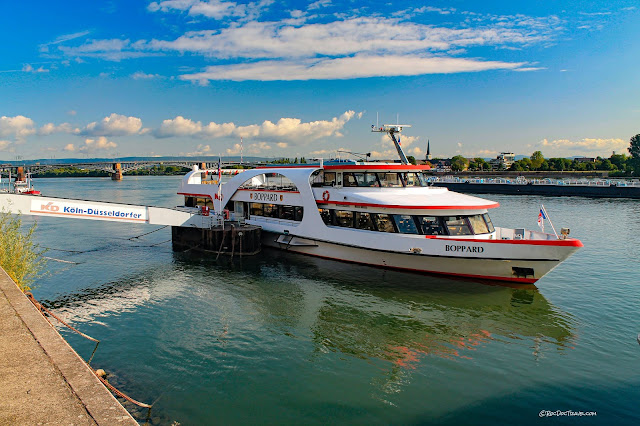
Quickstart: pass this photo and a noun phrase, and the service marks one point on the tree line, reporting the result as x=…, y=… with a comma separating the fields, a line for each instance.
x=158, y=170
x=616, y=164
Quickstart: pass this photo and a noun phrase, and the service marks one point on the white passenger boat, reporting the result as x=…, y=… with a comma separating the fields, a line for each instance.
x=379, y=214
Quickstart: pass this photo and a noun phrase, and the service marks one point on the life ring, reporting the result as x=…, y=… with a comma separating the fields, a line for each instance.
x=226, y=214
x=325, y=196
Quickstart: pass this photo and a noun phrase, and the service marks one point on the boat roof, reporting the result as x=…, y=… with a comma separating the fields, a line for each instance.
x=414, y=198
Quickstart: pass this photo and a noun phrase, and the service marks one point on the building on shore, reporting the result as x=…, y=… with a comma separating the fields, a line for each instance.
x=505, y=159
x=584, y=160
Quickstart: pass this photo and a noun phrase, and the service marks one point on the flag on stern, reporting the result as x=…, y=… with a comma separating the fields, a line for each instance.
x=541, y=218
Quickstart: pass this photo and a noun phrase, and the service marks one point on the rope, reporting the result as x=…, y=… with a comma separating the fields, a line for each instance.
x=157, y=244
x=121, y=394
x=42, y=308
x=60, y=260
x=68, y=251
x=142, y=235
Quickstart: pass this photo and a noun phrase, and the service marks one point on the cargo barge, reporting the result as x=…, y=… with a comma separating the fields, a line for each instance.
x=541, y=187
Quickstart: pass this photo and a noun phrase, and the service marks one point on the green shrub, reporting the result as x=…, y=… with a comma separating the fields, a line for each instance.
x=19, y=255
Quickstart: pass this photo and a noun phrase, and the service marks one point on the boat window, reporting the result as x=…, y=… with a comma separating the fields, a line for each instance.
x=349, y=179
x=317, y=178
x=383, y=222
x=343, y=218
x=405, y=224
x=487, y=219
x=298, y=213
x=414, y=179
x=389, y=180
x=325, y=214
x=202, y=201
x=286, y=212
x=478, y=224
x=457, y=225
x=364, y=221
x=368, y=179
x=329, y=179
x=269, y=181
x=270, y=210
x=431, y=225
x=256, y=209
x=189, y=201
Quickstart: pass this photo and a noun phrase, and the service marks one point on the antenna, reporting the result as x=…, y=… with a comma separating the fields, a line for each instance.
x=391, y=129
x=377, y=125
x=241, y=150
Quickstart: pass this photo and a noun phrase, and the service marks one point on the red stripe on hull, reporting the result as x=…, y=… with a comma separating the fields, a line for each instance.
x=376, y=167
x=572, y=242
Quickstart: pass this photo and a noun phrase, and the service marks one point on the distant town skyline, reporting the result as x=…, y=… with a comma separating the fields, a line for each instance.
x=192, y=77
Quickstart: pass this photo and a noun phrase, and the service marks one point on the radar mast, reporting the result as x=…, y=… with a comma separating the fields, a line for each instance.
x=391, y=130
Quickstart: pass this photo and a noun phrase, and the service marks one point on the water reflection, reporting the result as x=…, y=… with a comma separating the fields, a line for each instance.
x=373, y=313
x=356, y=310
x=279, y=317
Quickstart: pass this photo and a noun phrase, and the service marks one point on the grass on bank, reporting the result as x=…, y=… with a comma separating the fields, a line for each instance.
x=19, y=255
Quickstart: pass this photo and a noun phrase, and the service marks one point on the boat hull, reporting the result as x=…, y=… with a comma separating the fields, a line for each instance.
x=526, y=271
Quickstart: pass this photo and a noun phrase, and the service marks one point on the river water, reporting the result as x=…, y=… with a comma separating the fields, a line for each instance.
x=280, y=338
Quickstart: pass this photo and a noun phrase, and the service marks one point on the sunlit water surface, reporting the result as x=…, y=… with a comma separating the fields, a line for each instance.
x=280, y=338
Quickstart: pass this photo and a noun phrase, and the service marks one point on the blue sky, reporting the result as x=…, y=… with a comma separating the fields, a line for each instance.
x=294, y=78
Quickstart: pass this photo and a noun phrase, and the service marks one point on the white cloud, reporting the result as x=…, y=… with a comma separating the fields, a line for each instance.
x=67, y=37
x=586, y=146
x=388, y=154
x=51, y=128
x=307, y=47
x=5, y=145
x=296, y=131
x=99, y=144
x=484, y=153
x=345, y=68
x=331, y=152
x=292, y=130
x=110, y=49
x=18, y=127
x=258, y=148
x=214, y=9
x=441, y=11
x=181, y=126
x=369, y=35
x=114, y=125
x=199, y=151
x=139, y=75
x=253, y=148
x=319, y=4
x=91, y=145
x=29, y=68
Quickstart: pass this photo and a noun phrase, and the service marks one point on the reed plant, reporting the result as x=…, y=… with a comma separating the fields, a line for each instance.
x=20, y=256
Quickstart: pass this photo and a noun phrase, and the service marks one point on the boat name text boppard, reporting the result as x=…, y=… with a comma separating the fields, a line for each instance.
x=464, y=249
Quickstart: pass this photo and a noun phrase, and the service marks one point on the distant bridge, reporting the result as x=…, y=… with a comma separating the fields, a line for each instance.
x=119, y=167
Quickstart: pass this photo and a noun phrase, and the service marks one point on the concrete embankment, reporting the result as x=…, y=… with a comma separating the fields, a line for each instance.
x=42, y=379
